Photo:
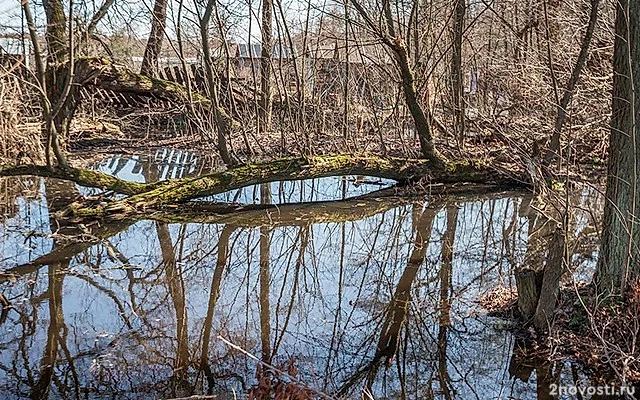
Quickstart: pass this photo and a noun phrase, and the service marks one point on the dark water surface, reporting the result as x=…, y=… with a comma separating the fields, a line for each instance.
x=373, y=296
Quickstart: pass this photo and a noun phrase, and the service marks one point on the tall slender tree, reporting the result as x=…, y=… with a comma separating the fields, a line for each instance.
x=457, y=90
x=265, y=65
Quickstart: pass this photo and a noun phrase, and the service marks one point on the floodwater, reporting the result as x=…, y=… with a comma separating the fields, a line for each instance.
x=347, y=299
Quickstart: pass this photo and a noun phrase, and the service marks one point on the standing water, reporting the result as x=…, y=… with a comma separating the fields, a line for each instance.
x=374, y=298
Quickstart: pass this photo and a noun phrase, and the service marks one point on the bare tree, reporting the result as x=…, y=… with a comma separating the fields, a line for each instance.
x=264, y=122
x=389, y=35
x=457, y=84
x=561, y=112
x=154, y=44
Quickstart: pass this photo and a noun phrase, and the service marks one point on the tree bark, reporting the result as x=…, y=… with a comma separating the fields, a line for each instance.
x=619, y=262
x=265, y=66
x=457, y=90
x=149, y=65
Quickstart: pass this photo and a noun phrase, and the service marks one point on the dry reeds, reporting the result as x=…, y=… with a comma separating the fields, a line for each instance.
x=19, y=142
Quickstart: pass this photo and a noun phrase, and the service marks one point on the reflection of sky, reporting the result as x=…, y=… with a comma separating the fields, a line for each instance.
x=113, y=320
x=321, y=189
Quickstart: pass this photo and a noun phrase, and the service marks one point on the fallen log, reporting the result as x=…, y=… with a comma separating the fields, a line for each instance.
x=83, y=177
x=143, y=197
x=401, y=170
x=102, y=73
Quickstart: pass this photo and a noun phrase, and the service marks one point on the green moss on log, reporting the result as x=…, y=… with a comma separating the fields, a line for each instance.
x=399, y=169
x=80, y=176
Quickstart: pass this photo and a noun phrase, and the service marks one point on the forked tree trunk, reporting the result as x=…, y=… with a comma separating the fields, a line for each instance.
x=154, y=44
x=619, y=262
x=538, y=286
x=421, y=116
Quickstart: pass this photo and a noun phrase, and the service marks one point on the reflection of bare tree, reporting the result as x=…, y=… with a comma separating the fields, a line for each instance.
x=58, y=194
x=446, y=287
x=214, y=292
x=396, y=312
x=397, y=309
x=42, y=386
x=303, y=237
x=522, y=368
x=264, y=277
x=175, y=285
x=66, y=251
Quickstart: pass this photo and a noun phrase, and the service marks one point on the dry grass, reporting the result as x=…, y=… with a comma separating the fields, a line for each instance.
x=19, y=141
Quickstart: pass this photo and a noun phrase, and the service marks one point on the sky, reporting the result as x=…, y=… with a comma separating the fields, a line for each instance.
x=10, y=14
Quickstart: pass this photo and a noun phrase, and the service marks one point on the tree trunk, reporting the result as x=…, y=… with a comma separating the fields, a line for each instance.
x=619, y=261
x=149, y=65
x=56, y=34
x=457, y=90
x=421, y=117
x=265, y=66
x=59, y=104
x=550, y=285
x=561, y=112
x=538, y=287
x=225, y=124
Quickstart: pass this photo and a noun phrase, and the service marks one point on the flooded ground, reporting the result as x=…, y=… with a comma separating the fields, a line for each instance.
x=382, y=301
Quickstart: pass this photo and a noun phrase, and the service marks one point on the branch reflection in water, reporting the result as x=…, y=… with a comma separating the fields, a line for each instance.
x=382, y=299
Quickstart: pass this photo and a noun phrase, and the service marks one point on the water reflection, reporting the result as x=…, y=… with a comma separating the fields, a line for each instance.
x=158, y=165
x=382, y=301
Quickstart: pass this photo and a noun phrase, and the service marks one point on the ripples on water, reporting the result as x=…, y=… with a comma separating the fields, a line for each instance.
x=384, y=300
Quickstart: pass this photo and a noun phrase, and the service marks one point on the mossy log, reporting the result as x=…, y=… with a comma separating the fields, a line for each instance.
x=83, y=177
x=102, y=73
x=148, y=197
x=398, y=169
